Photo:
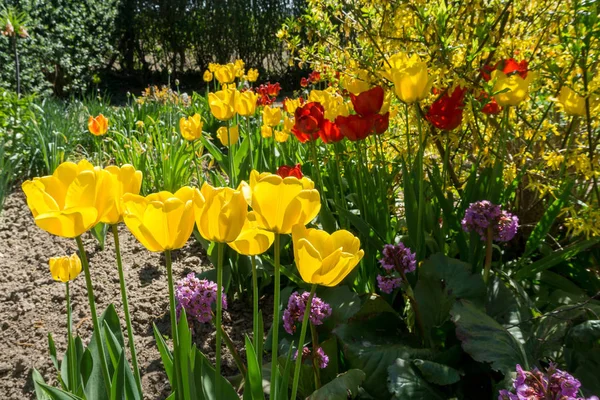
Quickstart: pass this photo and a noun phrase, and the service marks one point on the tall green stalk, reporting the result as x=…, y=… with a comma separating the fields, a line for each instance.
x=71, y=344
x=95, y=323
x=421, y=200
x=488, y=254
x=255, y=338
x=174, y=333
x=275, y=339
x=301, y=342
x=134, y=361
x=219, y=316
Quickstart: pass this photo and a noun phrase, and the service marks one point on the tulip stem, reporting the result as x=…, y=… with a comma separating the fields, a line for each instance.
x=95, y=323
x=249, y=134
x=230, y=155
x=71, y=345
x=255, y=304
x=174, y=333
x=234, y=353
x=315, y=347
x=219, y=316
x=313, y=148
x=196, y=162
x=301, y=342
x=340, y=184
x=488, y=254
x=275, y=338
x=134, y=361
x=421, y=201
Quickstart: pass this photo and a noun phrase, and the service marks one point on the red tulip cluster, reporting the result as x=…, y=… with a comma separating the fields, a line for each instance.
x=268, y=92
x=287, y=170
x=446, y=112
x=310, y=121
x=367, y=119
x=313, y=77
x=509, y=66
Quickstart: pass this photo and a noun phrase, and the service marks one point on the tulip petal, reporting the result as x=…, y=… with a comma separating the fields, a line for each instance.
x=308, y=260
x=38, y=200
x=68, y=223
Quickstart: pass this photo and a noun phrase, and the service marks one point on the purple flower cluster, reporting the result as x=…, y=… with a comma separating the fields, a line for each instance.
x=320, y=356
x=536, y=385
x=319, y=310
x=482, y=215
x=388, y=283
x=196, y=297
x=397, y=259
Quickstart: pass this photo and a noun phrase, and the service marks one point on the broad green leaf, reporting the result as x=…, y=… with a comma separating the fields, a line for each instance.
x=582, y=354
x=208, y=382
x=436, y=373
x=372, y=306
x=434, y=302
x=37, y=378
x=406, y=384
x=555, y=258
x=99, y=232
x=52, y=351
x=254, y=372
x=112, y=345
x=343, y=387
x=56, y=393
x=165, y=353
x=344, y=304
x=485, y=340
x=456, y=276
x=185, y=345
x=123, y=386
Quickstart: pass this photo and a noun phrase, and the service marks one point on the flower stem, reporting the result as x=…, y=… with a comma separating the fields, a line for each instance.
x=95, y=323
x=71, y=345
x=415, y=306
x=236, y=356
x=196, y=162
x=340, y=184
x=488, y=254
x=275, y=339
x=421, y=201
x=315, y=347
x=136, y=370
x=301, y=342
x=255, y=304
x=219, y=316
x=250, y=141
x=174, y=332
x=313, y=149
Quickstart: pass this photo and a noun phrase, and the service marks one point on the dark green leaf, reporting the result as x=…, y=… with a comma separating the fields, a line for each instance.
x=436, y=373
x=344, y=387
x=405, y=383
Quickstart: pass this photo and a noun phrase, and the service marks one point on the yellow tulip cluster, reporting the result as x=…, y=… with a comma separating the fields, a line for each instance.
x=332, y=102
x=224, y=104
x=227, y=73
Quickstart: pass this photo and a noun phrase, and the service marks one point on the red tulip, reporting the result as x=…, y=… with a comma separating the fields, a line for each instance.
x=286, y=170
x=304, y=82
x=330, y=132
x=309, y=120
x=491, y=107
x=447, y=111
x=380, y=123
x=511, y=65
x=368, y=103
x=314, y=77
x=354, y=127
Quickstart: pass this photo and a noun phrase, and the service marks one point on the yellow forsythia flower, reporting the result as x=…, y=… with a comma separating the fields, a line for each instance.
x=220, y=213
x=280, y=203
x=572, y=103
x=65, y=268
x=516, y=89
x=191, y=127
x=252, y=240
x=225, y=73
x=252, y=75
x=245, y=103
x=126, y=179
x=98, y=126
x=281, y=137
x=222, y=104
x=207, y=76
x=225, y=137
x=271, y=116
x=324, y=259
x=266, y=131
x=412, y=82
x=71, y=200
x=160, y=221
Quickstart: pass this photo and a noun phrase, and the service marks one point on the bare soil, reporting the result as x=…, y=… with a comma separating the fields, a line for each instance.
x=33, y=304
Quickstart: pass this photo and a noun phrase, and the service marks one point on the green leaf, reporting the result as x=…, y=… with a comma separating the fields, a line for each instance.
x=543, y=226
x=185, y=345
x=99, y=232
x=555, y=258
x=456, y=276
x=372, y=306
x=411, y=206
x=165, y=353
x=405, y=383
x=372, y=346
x=434, y=302
x=112, y=345
x=436, y=373
x=344, y=304
x=123, y=386
x=56, y=393
x=343, y=387
x=52, y=351
x=485, y=340
x=582, y=354
x=254, y=372
x=37, y=378
x=207, y=381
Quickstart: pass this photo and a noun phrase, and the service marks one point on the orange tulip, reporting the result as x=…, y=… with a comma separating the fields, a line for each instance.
x=98, y=126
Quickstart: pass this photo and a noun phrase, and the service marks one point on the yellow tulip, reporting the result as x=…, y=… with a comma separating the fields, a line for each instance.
x=271, y=116
x=160, y=221
x=395, y=63
x=291, y=105
x=239, y=68
x=212, y=67
x=220, y=213
x=281, y=203
x=356, y=82
x=412, y=83
x=572, y=103
x=252, y=75
x=288, y=124
x=266, y=131
x=191, y=127
x=245, y=103
x=324, y=259
x=71, y=200
x=224, y=136
x=516, y=89
x=252, y=240
x=207, y=76
x=125, y=180
x=222, y=104
x=225, y=73
x=65, y=268
x=281, y=137
x=332, y=102
x=98, y=126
